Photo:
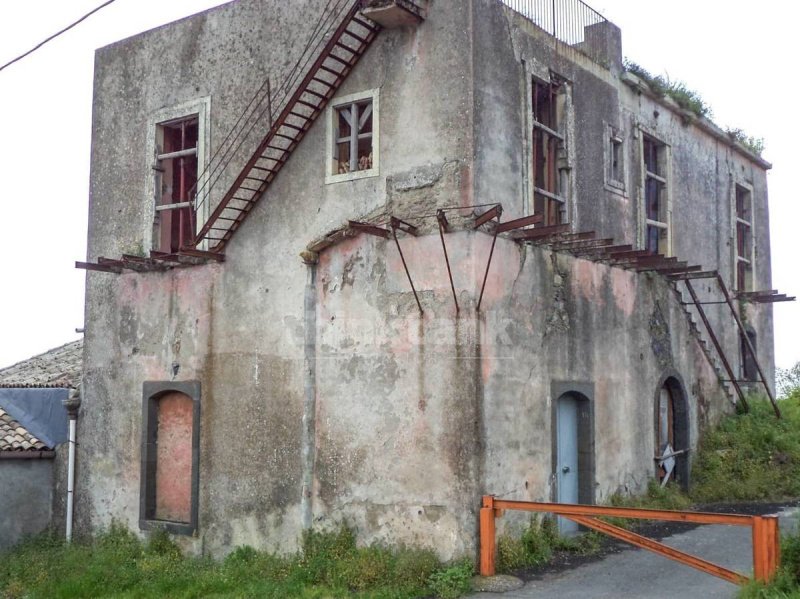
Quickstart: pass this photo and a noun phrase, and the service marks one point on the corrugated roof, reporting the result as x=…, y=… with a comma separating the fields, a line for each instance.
x=14, y=437
x=58, y=367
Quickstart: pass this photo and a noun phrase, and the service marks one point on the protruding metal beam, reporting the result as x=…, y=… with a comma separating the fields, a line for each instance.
x=539, y=232
x=493, y=212
x=518, y=223
x=98, y=267
x=402, y=225
x=369, y=229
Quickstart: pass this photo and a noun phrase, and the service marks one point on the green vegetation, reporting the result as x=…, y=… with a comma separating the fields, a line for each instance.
x=118, y=564
x=537, y=544
x=786, y=584
x=677, y=90
x=692, y=101
x=754, y=144
x=751, y=456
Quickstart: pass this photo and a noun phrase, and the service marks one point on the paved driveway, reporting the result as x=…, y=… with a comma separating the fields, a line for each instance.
x=639, y=573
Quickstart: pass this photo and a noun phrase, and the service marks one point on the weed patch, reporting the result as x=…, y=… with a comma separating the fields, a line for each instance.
x=751, y=456
x=118, y=564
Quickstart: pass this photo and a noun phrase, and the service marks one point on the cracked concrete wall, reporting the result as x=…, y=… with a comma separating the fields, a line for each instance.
x=238, y=327
x=702, y=174
x=417, y=416
x=455, y=405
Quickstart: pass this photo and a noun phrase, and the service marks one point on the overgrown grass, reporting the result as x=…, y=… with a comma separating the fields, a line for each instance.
x=537, y=544
x=751, y=456
x=118, y=564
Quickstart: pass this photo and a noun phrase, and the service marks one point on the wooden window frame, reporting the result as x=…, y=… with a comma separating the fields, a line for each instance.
x=337, y=104
x=743, y=267
x=659, y=179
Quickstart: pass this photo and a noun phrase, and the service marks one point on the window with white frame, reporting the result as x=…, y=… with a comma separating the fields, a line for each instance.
x=615, y=166
x=744, y=238
x=655, y=161
x=177, y=154
x=353, y=137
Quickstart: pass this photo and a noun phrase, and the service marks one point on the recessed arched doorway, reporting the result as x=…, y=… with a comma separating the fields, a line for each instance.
x=672, y=432
x=573, y=453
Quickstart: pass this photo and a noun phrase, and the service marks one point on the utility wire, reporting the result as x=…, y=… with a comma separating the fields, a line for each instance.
x=55, y=35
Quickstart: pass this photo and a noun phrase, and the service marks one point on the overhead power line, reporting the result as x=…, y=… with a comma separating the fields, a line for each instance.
x=55, y=35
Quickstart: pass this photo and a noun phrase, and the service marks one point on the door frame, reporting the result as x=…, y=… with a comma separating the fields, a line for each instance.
x=681, y=424
x=584, y=393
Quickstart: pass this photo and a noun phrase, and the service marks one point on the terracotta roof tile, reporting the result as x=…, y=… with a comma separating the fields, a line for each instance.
x=14, y=437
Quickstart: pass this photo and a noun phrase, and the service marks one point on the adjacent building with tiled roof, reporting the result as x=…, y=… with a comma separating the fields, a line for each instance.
x=33, y=431
x=58, y=367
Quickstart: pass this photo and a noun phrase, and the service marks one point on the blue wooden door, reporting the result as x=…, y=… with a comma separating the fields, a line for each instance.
x=567, y=457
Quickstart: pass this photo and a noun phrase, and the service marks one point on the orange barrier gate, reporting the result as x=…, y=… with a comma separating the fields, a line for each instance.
x=766, y=536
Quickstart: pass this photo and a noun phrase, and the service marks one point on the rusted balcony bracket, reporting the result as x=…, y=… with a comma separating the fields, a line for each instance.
x=498, y=210
x=395, y=224
x=369, y=229
x=491, y=213
x=444, y=226
x=533, y=219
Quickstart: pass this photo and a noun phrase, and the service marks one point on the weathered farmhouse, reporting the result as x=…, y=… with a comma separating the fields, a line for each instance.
x=365, y=262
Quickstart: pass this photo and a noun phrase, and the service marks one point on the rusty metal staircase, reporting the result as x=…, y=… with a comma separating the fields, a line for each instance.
x=727, y=299
x=335, y=61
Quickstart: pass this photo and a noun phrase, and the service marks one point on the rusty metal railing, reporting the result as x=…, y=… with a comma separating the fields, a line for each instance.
x=566, y=20
x=765, y=533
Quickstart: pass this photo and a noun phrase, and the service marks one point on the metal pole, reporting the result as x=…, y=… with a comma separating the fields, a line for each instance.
x=714, y=340
x=749, y=345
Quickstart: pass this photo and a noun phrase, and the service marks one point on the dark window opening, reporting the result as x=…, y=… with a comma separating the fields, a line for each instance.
x=655, y=197
x=546, y=141
x=749, y=370
x=353, y=137
x=176, y=163
x=615, y=172
x=744, y=239
x=170, y=456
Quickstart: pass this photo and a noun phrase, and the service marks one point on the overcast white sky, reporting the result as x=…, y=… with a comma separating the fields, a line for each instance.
x=738, y=55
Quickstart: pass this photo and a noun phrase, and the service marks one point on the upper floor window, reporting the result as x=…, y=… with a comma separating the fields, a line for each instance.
x=176, y=165
x=744, y=238
x=656, y=199
x=547, y=138
x=353, y=137
x=615, y=172
x=178, y=140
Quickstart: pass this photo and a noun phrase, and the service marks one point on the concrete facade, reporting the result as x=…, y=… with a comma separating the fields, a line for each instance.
x=26, y=497
x=409, y=418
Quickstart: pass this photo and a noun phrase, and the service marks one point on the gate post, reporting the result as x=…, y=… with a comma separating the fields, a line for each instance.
x=766, y=547
x=487, y=536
